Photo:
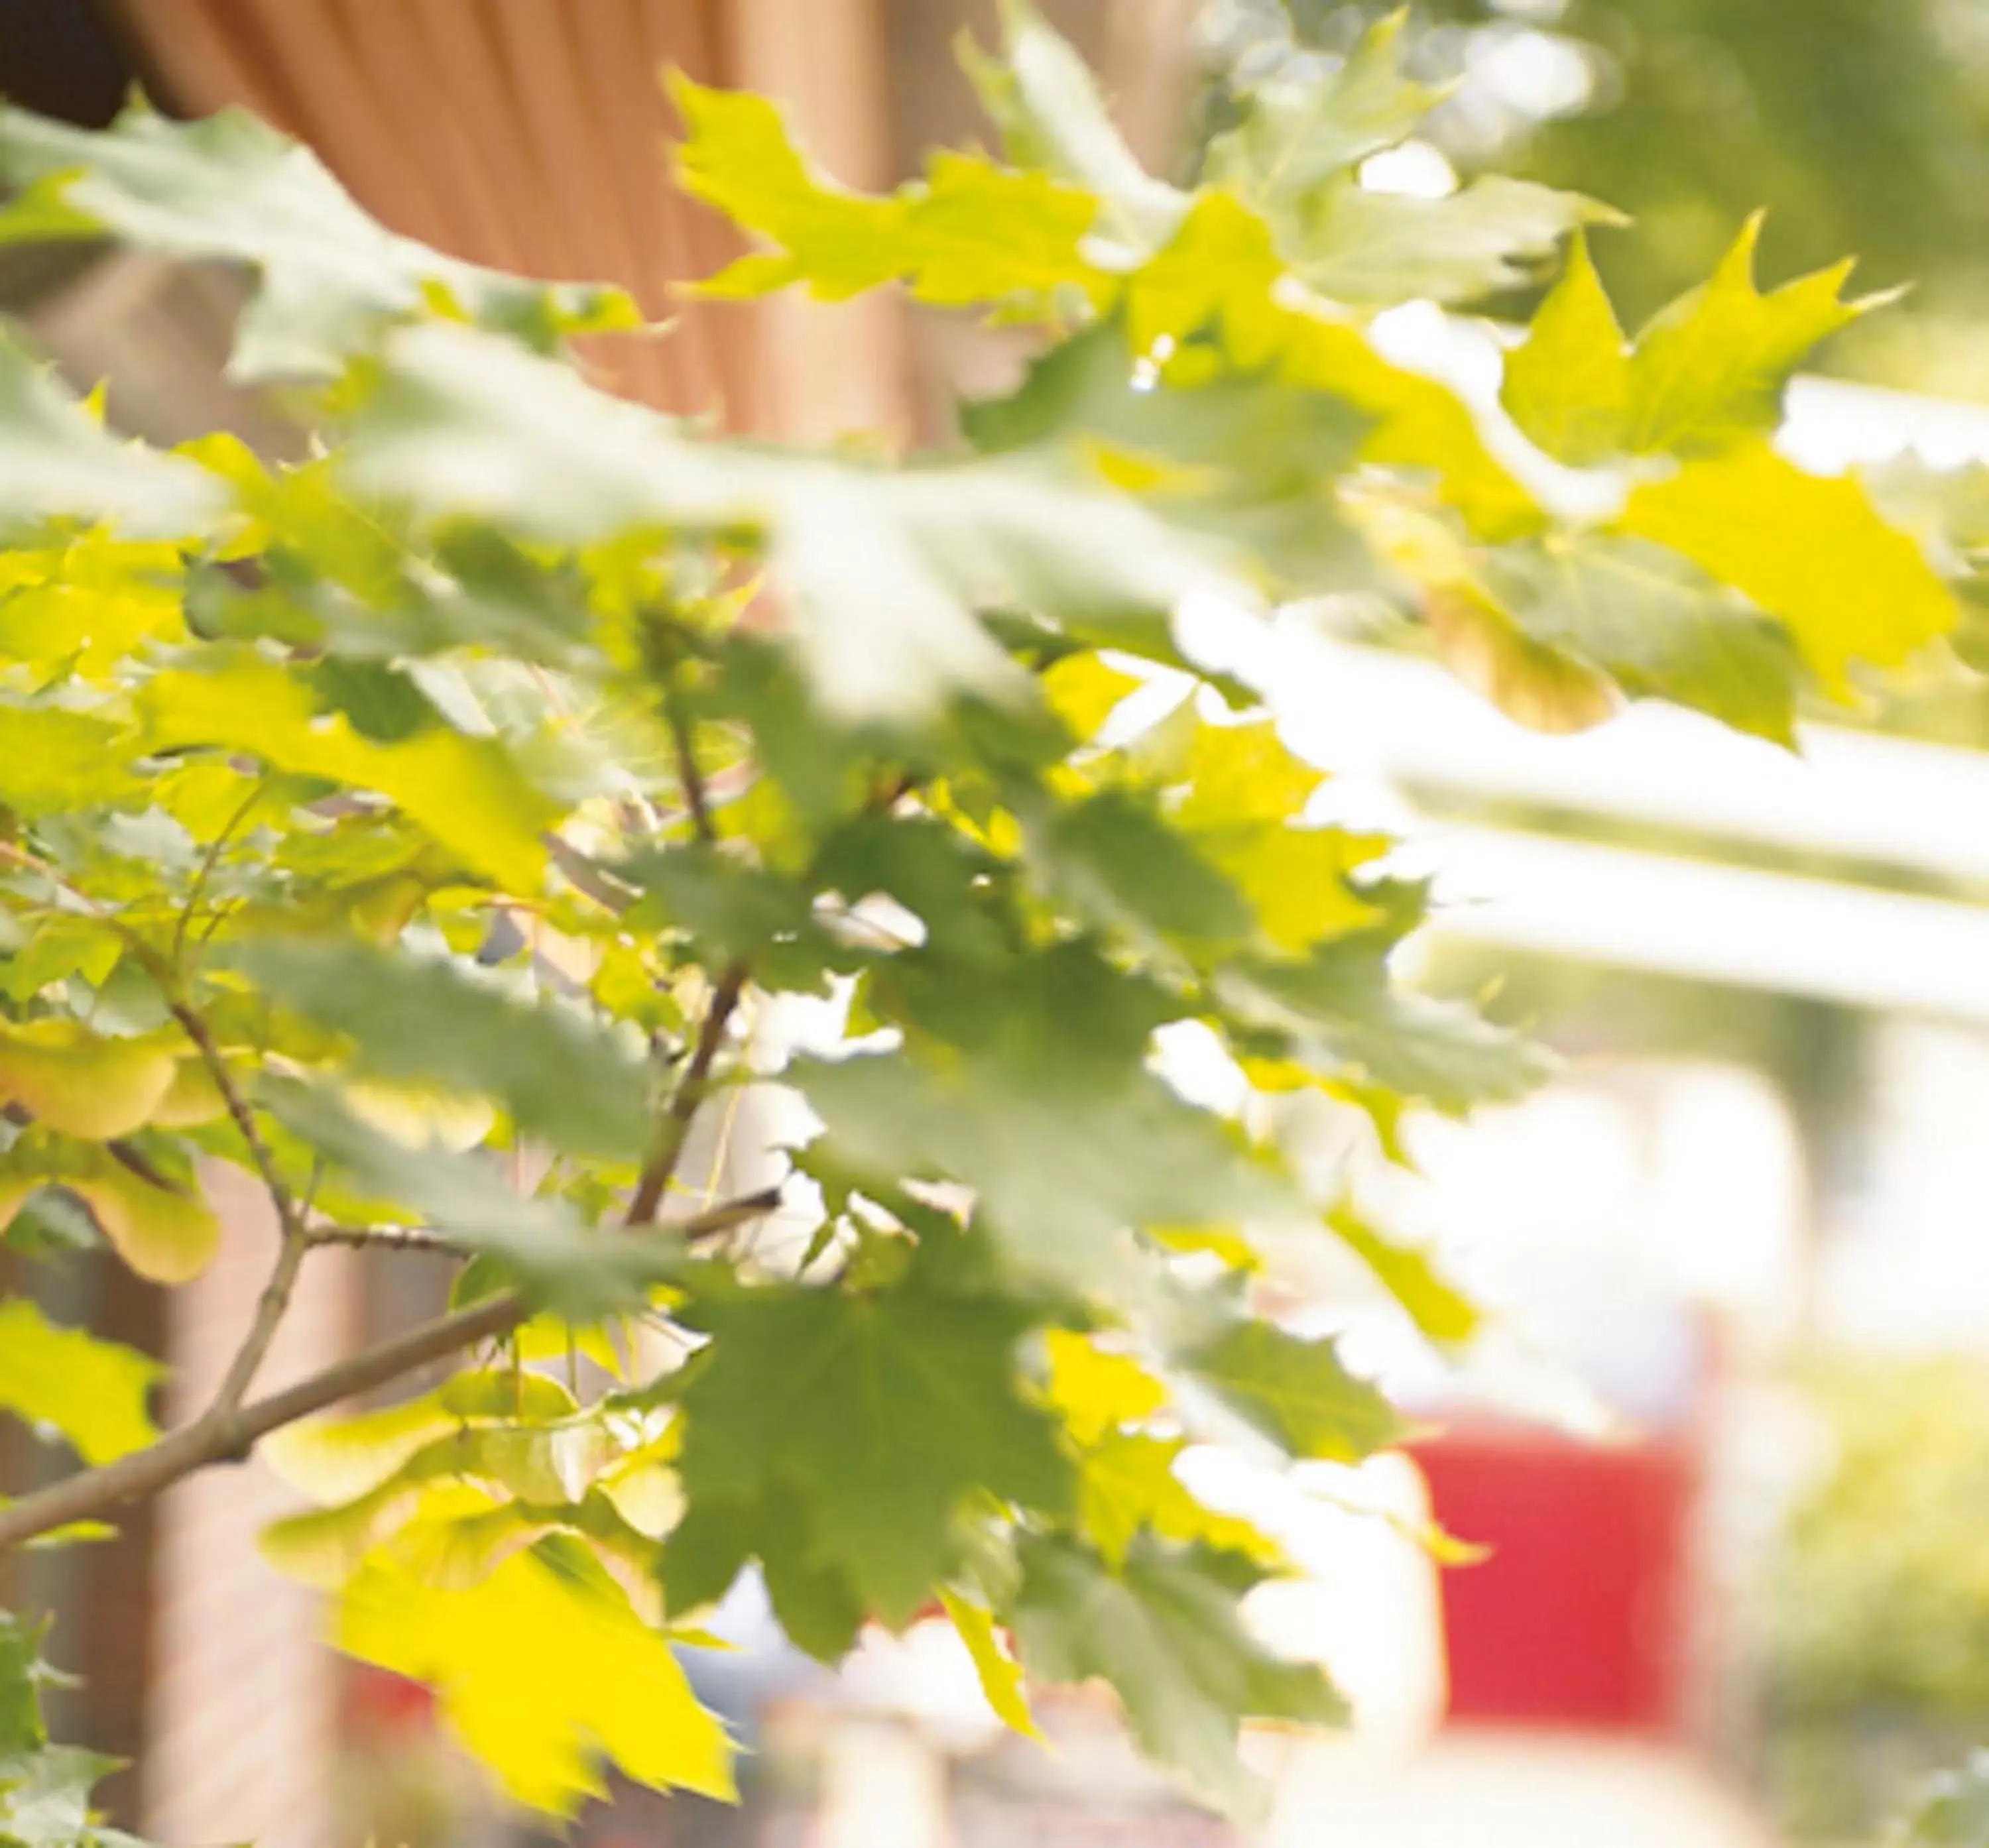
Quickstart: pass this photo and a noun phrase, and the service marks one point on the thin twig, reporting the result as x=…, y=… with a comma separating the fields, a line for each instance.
x=694, y=1084
x=688, y=1092
x=712, y=1220
x=293, y=1246
x=209, y=861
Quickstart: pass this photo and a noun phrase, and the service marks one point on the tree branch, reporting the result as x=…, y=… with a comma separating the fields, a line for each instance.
x=227, y=1433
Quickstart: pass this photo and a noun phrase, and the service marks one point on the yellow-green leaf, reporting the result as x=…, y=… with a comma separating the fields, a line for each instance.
x=465, y=792
x=165, y=1236
x=540, y=1672
x=1438, y=1307
x=1709, y=369
x=1127, y=1486
x=1096, y=1391
x=1001, y=1675
x=52, y=760
x=1084, y=690
x=84, y=1084
x=92, y=1392
x=969, y=231
x=1567, y=386
x=1808, y=548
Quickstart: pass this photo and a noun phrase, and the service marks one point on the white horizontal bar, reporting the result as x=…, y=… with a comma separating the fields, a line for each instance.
x=1772, y=931
x=1918, y=808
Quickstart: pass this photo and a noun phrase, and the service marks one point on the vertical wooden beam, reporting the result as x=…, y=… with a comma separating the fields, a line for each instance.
x=829, y=369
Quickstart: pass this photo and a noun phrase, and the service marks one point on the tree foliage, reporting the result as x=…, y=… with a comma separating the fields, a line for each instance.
x=427, y=827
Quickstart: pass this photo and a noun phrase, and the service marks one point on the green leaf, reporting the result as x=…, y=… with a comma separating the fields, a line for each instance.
x=1112, y=857
x=1379, y=249
x=1250, y=459
x=876, y=1417
x=580, y=1272
x=1042, y=98
x=1028, y=1083
x=1295, y=1392
x=560, y=1077
x=969, y=231
x=467, y=792
x=57, y=462
x=1342, y=1017
x=1293, y=137
x=1808, y=549
x=1164, y=1633
x=1653, y=624
x=230, y=189
x=93, y=1392
x=23, y=1674
x=539, y=1671
x=884, y=569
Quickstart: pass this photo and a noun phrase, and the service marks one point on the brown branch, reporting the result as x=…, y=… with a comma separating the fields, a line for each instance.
x=227, y=1433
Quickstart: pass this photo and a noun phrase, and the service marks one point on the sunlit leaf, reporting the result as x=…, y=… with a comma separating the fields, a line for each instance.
x=466, y=792
x=542, y=1673
x=93, y=1392
x=85, y=1083
x=969, y=231
x=1806, y=548
x=1000, y=1675
x=166, y=1236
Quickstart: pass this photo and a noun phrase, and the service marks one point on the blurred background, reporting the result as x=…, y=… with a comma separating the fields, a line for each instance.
x=1729, y=1446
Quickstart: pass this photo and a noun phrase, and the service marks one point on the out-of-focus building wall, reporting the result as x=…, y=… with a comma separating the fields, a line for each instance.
x=242, y=1710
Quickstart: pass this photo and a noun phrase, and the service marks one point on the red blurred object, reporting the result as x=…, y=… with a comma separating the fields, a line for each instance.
x=378, y=1703
x=1577, y=1617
